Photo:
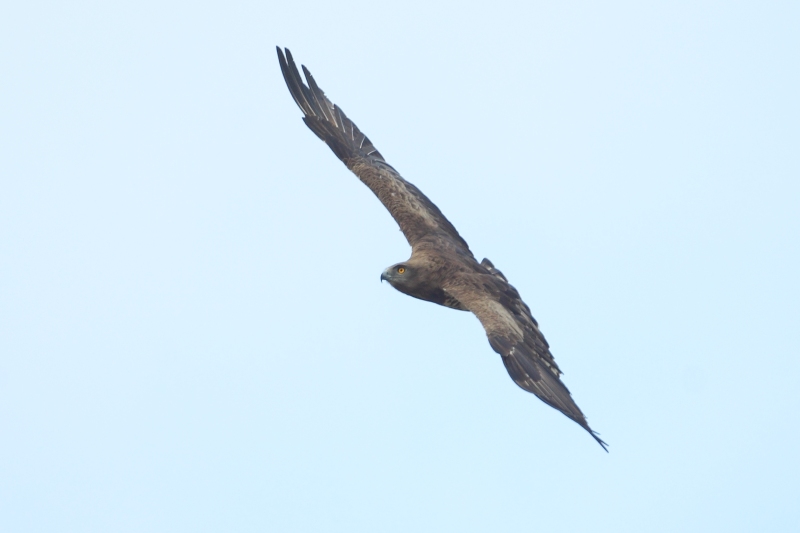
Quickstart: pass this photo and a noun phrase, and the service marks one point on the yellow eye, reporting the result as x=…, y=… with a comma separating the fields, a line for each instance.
x=401, y=270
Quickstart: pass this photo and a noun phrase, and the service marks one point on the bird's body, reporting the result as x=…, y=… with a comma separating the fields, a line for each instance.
x=441, y=269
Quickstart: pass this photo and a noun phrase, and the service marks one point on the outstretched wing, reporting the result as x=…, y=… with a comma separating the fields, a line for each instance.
x=515, y=335
x=417, y=216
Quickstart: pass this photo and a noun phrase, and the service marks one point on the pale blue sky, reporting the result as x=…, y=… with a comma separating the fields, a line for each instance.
x=193, y=335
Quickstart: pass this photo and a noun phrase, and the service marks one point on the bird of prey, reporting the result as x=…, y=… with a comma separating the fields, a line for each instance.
x=441, y=268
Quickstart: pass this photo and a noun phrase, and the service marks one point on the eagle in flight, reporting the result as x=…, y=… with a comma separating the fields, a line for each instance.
x=441, y=268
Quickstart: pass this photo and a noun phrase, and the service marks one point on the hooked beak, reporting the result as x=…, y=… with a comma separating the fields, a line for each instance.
x=383, y=277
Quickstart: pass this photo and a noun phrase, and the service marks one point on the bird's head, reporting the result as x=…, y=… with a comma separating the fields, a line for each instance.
x=401, y=276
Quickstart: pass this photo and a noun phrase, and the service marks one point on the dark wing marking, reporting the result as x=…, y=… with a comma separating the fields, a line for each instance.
x=514, y=334
x=416, y=215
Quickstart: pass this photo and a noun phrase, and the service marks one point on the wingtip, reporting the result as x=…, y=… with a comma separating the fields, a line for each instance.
x=600, y=441
x=305, y=71
x=325, y=119
x=284, y=55
x=283, y=63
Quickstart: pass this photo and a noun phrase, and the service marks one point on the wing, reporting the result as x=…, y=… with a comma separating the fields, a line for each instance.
x=416, y=215
x=515, y=335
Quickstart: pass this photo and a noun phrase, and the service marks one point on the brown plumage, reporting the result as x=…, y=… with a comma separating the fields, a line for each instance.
x=441, y=268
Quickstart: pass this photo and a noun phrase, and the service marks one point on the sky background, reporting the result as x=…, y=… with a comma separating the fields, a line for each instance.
x=193, y=335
